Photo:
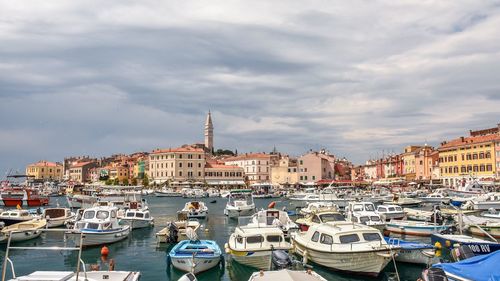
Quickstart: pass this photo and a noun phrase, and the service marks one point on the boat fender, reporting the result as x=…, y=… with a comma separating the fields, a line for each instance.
x=438, y=245
x=447, y=243
x=104, y=251
x=304, y=256
x=226, y=248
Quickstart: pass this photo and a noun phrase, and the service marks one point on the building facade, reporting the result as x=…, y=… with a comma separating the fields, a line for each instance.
x=186, y=163
x=45, y=170
x=81, y=171
x=224, y=176
x=257, y=166
x=285, y=172
x=315, y=166
x=425, y=159
x=468, y=158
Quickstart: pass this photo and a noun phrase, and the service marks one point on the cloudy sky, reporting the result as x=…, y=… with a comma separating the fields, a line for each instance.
x=356, y=77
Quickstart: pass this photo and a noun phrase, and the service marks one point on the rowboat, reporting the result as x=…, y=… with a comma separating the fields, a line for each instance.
x=195, y=255
x=417, y=228
x=23, y=231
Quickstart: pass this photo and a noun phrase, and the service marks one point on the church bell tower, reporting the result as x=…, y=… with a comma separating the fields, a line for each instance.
x=209, y=133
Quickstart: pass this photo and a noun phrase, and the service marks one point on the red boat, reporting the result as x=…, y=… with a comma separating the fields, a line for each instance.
x=12, y=197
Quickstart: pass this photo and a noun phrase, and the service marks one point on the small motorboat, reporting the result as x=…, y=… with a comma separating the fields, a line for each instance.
x=318, y=218
x=23, y=231
x=416, y=228
x=275, y=217
x=477, y=245
x=316, y=207
x=195, y=209
x=413, y=251
x=389, y=212
x=286, y=275
x=167, y=192
x=10, y=217
x=195, y=255
x=188, y=277
x=240, y=203
x=137, y=218
x=364, y=213
x=175, y=231
x=99, y=225
x=57, y=216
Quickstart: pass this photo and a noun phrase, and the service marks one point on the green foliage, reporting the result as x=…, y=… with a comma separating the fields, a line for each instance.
x=223, y=152
x=145, y=180
x=109, y=182
x=134, y=181
x=125, y=182
x=116, y=181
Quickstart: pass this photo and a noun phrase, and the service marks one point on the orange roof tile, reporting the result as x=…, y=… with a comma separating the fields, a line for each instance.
x=44, y=163
x=462, y=141
x=80, y=164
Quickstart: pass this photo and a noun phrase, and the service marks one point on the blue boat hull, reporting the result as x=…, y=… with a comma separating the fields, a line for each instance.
x=476, y=248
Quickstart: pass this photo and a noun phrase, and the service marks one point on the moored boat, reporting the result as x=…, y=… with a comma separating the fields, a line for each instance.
x=175, y=231
x=195, y=209
x=318, y=218
x=364, y=213
x=195, y=255
x=9, y=217
x=13, y=197
x=240, y=203
x=389, y=212
x=57, y=216
x=416, y=228
x=253, y=246
x=22, y=231
x=100, y=226
x=478, y=246
x=345, y=246
x=484, y=267
x=286, y=275
x=137, y=218
x=413, y=251
x=275, y=217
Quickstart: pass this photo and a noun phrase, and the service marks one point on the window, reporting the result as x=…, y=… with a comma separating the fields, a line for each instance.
x=102, y=215
x=89, y=215
x=274, y=238
x=488, y=155
x=316, y=219
x=371, y=237
x=350, y=238
x=255, y=239
x=180, y=164
x=488, y=167
x=326, y=239
x=315, y=237
x=331, y=217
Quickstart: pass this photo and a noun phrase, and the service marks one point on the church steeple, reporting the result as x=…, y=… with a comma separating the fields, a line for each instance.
x=209, y=133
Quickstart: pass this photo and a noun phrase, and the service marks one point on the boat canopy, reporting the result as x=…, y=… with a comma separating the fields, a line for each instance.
x=483, y=267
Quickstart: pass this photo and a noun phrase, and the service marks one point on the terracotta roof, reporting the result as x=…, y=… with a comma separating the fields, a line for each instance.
x=462, y=141
x=248, y=156
x=221, y=166
x=179, y=149
x=80, y=164
x=45, y=164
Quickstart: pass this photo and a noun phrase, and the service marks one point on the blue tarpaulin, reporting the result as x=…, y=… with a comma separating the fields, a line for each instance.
x=478, y=268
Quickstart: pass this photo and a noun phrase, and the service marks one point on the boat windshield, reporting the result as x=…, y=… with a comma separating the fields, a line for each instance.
x=331, y=217
x=374, y=218
x=89, y=215
x=130, y=214
x=372, y=237
x=102, y=215
x=369, y=207
x=364, y=219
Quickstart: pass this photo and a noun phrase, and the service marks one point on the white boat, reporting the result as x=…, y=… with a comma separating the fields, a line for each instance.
x=326, y=195
x=275, y=217
x=404, y=202
x=435, y=198
x=212, y=192
x=194, y=193
x=240, y=203
x=195, y=209
x=315, y=207
x=80, y=201
x=286, y=275
x=253, y=246
x=22, y=231
x=299, y=196
x=364, y=213
x=389, y=212
x=414, y=251
x=318, y=218
x=175, y=231
x=415, y=228
x=100, y=226
x=344, y=246
x=57, y=216
x=417, y=214
x=96, y=274
x=10, y=217
x=137, y=218
x=483, y=202
x=167, y=192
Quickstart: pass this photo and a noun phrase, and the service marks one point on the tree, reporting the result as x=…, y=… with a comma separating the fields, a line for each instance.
x=116, y=181
x=109, y=182
x=145, y=180
x=125, y=182
x=134, y=181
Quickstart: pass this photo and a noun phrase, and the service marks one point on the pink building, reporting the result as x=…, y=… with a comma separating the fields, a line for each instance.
x=315, y=166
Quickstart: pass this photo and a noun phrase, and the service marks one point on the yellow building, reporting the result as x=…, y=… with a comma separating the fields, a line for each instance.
x=409, y=167
x=467, y=158
x=44, y=170
x=285, y=173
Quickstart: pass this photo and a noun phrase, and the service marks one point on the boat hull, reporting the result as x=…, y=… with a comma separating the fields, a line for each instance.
x=200, y=263
x=197, y=215
x=94, y=238
x=476, y=247
x=255, y=259
x=492, y=230
x=238, y=212
x=22, y=236
x=11, y=221
x=365, y=263
x=137, y=223
x=415, y=230
x=57, y=222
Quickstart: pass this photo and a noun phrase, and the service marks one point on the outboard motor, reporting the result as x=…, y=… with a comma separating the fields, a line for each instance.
x=434, y=274
x=461, y=253
x=280, y=259
x=173, y=233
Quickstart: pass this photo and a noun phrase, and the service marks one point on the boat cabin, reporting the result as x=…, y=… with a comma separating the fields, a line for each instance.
x=17, y=214
x=247, y=238
x=383, y=209
x=98, y=218
x=139, y=214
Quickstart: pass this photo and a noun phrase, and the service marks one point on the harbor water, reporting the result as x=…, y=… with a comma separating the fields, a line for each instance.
x=140, y=252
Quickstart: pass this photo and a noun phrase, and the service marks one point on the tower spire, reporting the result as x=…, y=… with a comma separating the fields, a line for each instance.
x=209, y=133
